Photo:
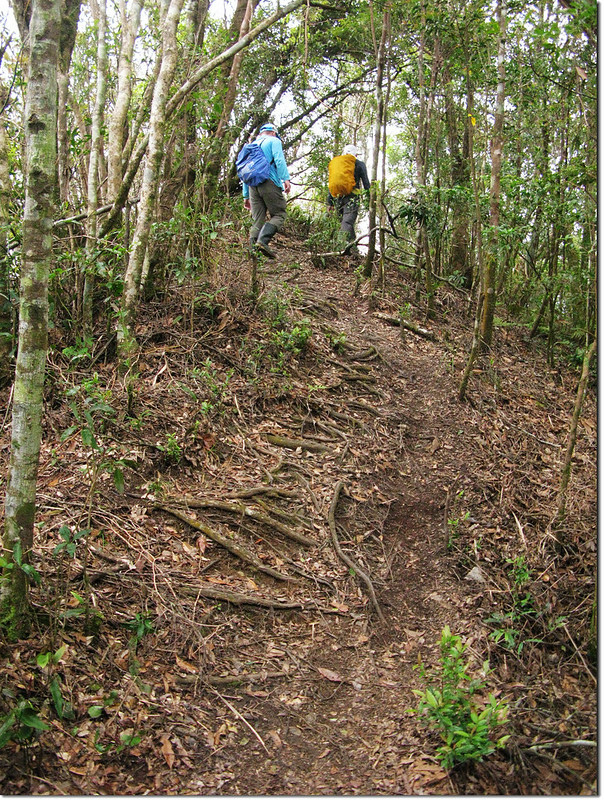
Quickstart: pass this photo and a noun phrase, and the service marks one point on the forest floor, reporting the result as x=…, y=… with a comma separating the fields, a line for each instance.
x=205, y=636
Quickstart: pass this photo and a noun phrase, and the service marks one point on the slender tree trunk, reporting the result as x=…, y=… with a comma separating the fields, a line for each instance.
x=373, y=196
x=490, y=267
x=41, y=183
x=130, y=21
x=93, y=166
x=219, y=143
x=571, y=441
x=6, y=309
x=460, y=176
x=69, y=27
x=384, y=176
x=157, y=123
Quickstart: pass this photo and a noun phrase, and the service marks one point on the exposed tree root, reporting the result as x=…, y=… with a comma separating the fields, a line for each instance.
x=238, y=550
x=294, y=444
x=346, y=559
x=408, y=326
x=252, y=513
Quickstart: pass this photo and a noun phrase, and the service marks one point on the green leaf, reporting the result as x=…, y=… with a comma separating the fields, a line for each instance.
x=88, y=439
x=130, y=739
x=118, y=480
x=57, y=697
x=43, y=659
x=31, y=573
x=59, y=654
x=30, y=718
x=69, y=432
x=94, y=712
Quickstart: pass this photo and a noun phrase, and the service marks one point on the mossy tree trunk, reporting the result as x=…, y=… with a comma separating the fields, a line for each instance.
x=41, y=182
x=6, y=310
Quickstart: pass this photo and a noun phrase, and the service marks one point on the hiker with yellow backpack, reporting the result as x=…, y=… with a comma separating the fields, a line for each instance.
x=347, y=179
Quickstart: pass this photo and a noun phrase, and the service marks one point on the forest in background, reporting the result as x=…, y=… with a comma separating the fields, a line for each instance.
x=119, y=127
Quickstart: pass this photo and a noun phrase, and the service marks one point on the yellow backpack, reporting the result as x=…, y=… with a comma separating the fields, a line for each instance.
x=341, y=175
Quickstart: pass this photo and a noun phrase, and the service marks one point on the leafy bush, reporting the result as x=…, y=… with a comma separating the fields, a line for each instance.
x=451, y=705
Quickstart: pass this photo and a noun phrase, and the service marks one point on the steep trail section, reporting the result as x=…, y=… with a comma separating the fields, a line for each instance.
x=339, y=722
x=237, y=651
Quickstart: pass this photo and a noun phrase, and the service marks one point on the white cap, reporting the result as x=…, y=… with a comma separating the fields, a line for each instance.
x=351, y=150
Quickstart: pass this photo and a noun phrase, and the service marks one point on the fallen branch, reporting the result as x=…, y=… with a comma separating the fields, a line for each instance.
x=238, y=599
x=248, y=511
x=238, y=550
x=346, y=559
x=556, y=745
x=408, y=326
x=234, y=680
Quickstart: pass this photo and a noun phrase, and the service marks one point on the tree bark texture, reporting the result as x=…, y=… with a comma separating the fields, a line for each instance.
x=41, y=181
x=6, y=310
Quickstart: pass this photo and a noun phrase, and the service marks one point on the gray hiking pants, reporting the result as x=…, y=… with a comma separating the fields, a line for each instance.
x=348, y=209
x=266, y=198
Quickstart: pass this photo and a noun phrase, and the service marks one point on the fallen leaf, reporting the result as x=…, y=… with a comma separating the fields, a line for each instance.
x=329, y=674
x=186, y=666
x=167, y=751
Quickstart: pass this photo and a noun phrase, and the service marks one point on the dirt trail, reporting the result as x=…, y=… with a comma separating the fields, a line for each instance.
x=244, y=700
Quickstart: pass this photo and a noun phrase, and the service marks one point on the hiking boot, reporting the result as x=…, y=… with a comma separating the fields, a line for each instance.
x=264, y=237
x=265, y=249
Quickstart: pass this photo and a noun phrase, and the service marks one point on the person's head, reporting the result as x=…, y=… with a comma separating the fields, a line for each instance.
x=351, y=150
x=268, y=129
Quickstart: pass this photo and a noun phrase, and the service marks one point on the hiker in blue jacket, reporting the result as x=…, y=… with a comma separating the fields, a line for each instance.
x=348, y=206
x=268, y=196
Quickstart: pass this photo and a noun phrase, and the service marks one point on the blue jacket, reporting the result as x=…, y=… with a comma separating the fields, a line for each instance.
x=273, y=150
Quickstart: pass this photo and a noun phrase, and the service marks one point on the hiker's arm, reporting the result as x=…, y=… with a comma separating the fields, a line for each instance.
x=279, y=162
x=364, y=177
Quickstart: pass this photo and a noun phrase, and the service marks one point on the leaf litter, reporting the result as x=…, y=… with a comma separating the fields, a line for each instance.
x=188, y=670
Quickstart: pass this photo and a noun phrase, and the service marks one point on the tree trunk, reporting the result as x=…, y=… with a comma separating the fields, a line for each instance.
x=41, y=182
x=490, y=267
x=157, y=123
x=130, y=21
x=377, y=131
x=219, y=144
x=69, y=27
x=93, y=167
x=6, y=310
x=571, y=441
x=460, y=177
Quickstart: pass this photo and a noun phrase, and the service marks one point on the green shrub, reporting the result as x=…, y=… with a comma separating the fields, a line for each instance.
x=452, y=705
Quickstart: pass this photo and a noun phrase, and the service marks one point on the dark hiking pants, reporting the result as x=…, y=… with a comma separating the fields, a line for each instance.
x=348, y=209
x=266, y=198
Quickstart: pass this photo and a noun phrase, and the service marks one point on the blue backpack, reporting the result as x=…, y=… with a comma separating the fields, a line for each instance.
x=252, y=165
